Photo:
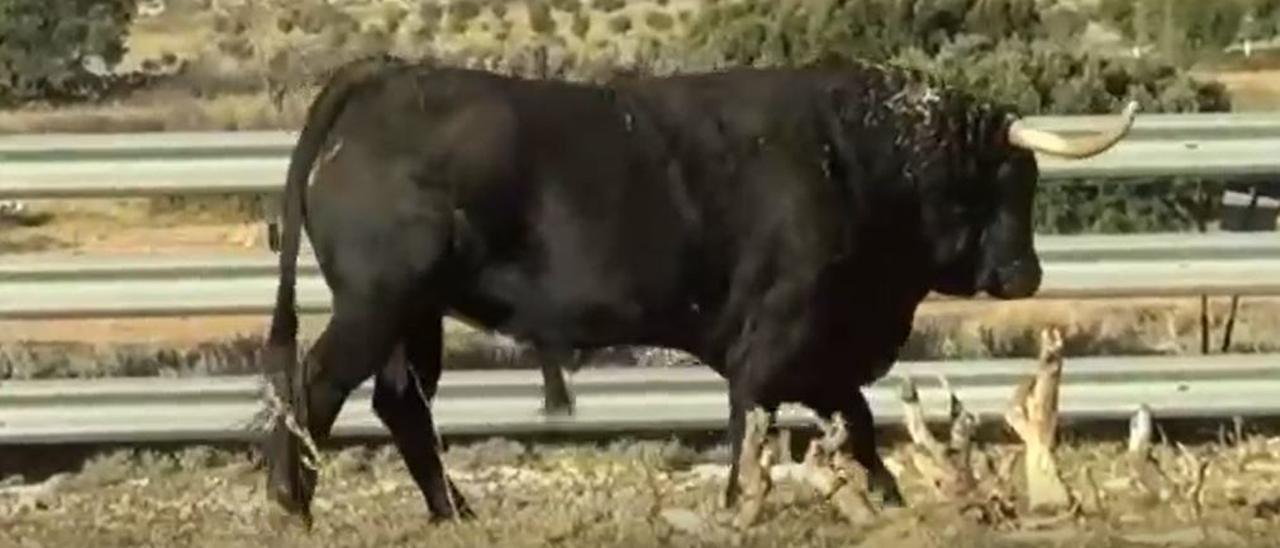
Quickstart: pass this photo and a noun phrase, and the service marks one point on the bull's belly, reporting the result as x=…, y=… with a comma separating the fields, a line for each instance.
x=510, y=302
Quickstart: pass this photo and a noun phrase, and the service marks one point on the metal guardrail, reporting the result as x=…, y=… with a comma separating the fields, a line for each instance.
x=625, y=399
x=1237, y=145
x=215, y=162
x=504, y=402
x=1153, y=265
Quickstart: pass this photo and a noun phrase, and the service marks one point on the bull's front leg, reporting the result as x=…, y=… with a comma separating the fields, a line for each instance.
x=751, y=458
x=843, y=464
x=860, y=443
x=773, y=340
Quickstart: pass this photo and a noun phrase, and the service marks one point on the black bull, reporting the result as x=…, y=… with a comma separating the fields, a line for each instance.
x=781, y=225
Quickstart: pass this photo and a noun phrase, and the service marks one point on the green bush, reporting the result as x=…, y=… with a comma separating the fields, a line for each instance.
x=608, y=6
x=1182, y=31
x=581, y=25
x=540, y=19
x=48, y=46
x=998, y=50
x=567, y=6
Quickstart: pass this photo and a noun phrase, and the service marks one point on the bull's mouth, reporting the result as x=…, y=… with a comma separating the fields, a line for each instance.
x=1019, y=279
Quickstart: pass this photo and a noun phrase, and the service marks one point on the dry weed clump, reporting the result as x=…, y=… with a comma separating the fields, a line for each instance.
x=1139, y=487
x=152, y=347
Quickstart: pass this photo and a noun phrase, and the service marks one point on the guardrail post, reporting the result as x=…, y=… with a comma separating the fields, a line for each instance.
x=271, y=215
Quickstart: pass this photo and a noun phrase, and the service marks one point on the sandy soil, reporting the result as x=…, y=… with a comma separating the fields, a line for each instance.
x=646, y=494
x=130, y=226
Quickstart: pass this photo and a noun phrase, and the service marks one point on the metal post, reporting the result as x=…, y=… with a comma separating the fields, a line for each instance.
x=271, y=215
x=1235, y=299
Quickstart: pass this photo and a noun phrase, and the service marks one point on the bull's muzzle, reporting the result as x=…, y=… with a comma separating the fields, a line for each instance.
x=1016, y=280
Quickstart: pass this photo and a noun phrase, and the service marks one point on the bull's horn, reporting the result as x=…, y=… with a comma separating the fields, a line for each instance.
x=1072, y=147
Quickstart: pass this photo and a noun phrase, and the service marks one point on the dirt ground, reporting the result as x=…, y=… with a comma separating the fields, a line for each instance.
x=625, y=494
x=1252, y=90
x=130, y=226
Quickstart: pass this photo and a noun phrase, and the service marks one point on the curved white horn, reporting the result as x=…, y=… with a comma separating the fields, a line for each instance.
x=1072, y=147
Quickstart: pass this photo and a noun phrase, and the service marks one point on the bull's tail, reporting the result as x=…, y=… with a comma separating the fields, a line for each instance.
x=280, y=357
x=320, y=118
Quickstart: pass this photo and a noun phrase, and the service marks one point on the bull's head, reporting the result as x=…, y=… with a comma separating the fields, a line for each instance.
x=980, y=223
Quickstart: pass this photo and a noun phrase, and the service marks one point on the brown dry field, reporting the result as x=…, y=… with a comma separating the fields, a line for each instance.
x=624, y=495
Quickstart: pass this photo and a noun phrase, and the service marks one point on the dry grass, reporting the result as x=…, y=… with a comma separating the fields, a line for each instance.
x=968, y=330
x=952, y=331
x=627, y=494
x=132, y=225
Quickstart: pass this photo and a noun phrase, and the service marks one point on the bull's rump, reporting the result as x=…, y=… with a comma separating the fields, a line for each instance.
x=564, y=214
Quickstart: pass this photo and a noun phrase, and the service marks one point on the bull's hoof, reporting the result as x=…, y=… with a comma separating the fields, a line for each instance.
x=892, y=499
x=463, y=513
x=728, y=499
x=290, y=486
x=293, y=507
x=887, y=490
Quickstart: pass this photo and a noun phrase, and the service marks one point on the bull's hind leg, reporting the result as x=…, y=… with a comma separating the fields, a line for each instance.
x=750, y=422
x=556, y=399
x=401, y=397
x=357, y=341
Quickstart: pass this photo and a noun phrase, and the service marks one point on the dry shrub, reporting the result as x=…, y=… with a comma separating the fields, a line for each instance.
x=620, y=24
x=608, y=6
x=540, y=20
x=464, y=10
x=567, y=6
x=430, y=12
x=659, y=21
x=499, y=9
x=581, y=25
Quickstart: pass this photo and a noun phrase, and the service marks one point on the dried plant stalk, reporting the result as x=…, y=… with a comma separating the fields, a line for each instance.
x=834, y=475
x=1146, y=473
x=1033, y=415
x=947, y=467
x=753, y=467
